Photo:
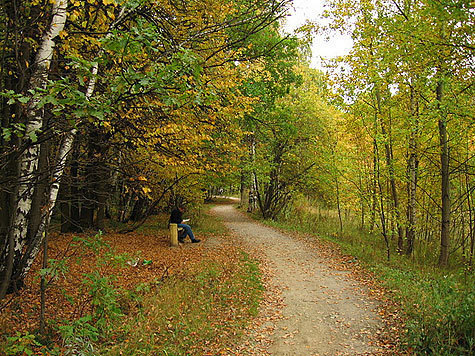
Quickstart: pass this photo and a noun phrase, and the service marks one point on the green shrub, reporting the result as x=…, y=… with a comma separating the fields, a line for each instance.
x=105, y=299
x=444, y=325
x=21, y=344
x=79, y=337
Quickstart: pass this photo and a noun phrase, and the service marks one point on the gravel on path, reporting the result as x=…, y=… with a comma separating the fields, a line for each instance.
x=323, y=312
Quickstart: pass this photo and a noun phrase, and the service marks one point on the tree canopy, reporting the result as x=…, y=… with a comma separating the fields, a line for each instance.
x=117, y=109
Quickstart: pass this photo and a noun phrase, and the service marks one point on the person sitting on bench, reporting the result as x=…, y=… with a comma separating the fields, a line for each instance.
x=176, y=217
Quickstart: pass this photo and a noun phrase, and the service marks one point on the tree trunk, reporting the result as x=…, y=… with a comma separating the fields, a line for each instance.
x=88, y=196
x=386, y=131
x=138, y=209
x=254, y=196
x=362, y=220
x=40, y=191
x=445, y=179
x=28, y=160
x=101, y=207
x=471, y=216
x=124, y=203
x=43, y=286
x=65, y=208
x=412, y=164
x=384, y=231
x=338, y=205
x=75, y=224
x=87, y=208
x=244, y=191
x=374, y=186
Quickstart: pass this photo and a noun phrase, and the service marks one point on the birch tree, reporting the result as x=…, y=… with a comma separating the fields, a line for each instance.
x=28, y=160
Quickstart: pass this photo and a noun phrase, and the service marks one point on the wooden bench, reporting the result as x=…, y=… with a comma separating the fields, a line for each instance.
x=174, y=229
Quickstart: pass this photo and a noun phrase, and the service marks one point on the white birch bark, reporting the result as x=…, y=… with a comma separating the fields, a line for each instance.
x=28, y=160
x=34, y=245
x=65, y=149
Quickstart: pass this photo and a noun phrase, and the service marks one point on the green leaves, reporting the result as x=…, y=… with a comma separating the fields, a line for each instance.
x=55, y=269
x=21, y=344
x=14, y=97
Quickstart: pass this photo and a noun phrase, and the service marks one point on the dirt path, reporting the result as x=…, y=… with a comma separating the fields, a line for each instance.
x=324, y=311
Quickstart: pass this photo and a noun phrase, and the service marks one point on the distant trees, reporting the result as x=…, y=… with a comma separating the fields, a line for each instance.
x=410, y=83
x=282, y=129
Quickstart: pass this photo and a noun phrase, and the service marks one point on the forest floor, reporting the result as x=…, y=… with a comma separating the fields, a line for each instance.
x=318, y=301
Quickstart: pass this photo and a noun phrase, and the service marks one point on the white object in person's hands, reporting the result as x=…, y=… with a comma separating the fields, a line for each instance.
x=186, y=220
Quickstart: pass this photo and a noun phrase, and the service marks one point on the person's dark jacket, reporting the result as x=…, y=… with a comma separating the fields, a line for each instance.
x=176, y=217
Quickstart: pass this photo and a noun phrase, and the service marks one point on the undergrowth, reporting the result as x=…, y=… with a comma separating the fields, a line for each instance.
x=187, y=313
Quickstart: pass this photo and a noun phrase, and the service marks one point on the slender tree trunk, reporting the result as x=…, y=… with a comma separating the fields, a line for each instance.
x=243, y=191
x=445, y=179
x=257, y=193
x=64, y=197
x=126, y=200
x=382, y=214
x=5, y=207
x=43, y=286
x=101, y=205
x=378, y=186
x=88, y=196
x=338, y=205
x=413, y=164
x=386, y=131
x=75, y=213
x=462, y=233
x=471, y=217
x=362, y=215
x=374, y=186
x=254, y=196
x=40, y=191
x=362, y=221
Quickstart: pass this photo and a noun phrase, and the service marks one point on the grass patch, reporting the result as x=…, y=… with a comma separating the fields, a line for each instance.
x=204, y=222
x=187, y=316
x=439, y=308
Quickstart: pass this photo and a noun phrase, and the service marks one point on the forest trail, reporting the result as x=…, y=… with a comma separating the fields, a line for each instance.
x=323, y=310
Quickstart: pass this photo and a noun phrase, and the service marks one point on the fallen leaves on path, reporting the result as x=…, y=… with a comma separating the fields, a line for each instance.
x=389, y=338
